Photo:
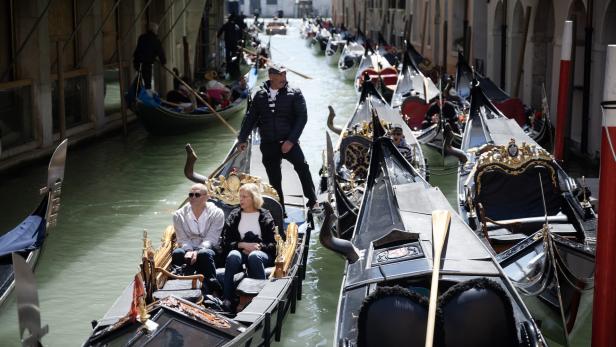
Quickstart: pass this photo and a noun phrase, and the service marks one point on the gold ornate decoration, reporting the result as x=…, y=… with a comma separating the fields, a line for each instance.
x=512, y=156
x=513, y=160
x=195, y=312
x=227, y=189
x=364, y=129
x=285, y=251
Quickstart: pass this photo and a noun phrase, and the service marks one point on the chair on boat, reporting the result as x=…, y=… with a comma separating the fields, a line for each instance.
x=394, y=316
x=478, y=313
x=355, y=155
x=159, y=282
x=508, y=196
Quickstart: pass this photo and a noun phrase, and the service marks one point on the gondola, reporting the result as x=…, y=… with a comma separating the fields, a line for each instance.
x=384, y=76
x=263, y=53
x=349, y=60
x=276, y=28
x=536, y=124
x=319, y=41
x=390, y=262
x=180, y=315
x=530, y=212
x=28, y=238
x=162, y=120
x=334, y=48
x=351, y=154
x=413, y=95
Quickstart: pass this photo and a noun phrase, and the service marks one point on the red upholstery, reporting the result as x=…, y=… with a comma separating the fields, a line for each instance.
x=414, y=111
x=389, y=75
x=513, y=108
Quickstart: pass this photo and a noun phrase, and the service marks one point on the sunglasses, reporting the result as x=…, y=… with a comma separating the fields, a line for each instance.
x=196, y=195
x=396, y=134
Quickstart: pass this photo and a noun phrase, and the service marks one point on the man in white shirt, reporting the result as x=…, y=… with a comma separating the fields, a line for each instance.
x=198, y=226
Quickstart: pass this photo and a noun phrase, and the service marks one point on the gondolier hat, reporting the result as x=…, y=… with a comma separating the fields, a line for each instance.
x=396, y=127
x=276, y=69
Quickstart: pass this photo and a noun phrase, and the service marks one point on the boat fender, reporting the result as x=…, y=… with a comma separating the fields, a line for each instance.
x=189, y=172
x=330, y=121
x=529, y=335
x=329, y=241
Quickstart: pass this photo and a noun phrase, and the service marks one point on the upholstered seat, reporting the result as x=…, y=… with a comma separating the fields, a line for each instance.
x=185, y=287
x=355, y=155
x=180, y=288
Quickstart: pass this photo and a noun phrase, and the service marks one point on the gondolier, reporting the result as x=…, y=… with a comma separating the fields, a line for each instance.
x=280, y=113
x=148, y=49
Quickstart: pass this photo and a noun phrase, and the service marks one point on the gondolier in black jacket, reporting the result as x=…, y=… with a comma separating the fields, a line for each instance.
x=148, y=48
x=280, y=113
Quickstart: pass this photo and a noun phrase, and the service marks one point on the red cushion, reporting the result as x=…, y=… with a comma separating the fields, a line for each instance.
x=414, y=111
x=389, y=75
x=513, y=108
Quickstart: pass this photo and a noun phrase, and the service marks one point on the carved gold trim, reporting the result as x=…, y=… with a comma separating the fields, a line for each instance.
x=498, y=157
x=227, y=189
x=525, y=154
x=285, y=251
x=364, y=129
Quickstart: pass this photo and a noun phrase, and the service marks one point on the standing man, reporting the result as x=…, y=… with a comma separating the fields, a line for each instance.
x=280, y=113
x=148, y=48
x=198, y=226
x=233, y=34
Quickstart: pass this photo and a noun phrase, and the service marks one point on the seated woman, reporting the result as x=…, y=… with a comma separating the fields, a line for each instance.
x=248, y=236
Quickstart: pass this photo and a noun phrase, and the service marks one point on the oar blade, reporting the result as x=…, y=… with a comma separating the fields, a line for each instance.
x=440, y=226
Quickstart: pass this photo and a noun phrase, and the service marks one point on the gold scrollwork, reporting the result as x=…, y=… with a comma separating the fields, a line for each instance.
x=227, y=189
x=364, y=129
x=513, y=160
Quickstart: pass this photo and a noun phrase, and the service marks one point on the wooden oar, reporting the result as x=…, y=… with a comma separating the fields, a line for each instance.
x=440, y=227
x=270, y=61
x=201, y=99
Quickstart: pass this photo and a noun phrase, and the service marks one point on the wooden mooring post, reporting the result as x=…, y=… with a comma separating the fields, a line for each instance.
x=604, y=303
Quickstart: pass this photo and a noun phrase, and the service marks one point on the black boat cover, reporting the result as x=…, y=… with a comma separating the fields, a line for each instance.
x=27, y=236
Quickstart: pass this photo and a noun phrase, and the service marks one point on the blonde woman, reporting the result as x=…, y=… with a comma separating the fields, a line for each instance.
x=248, y=236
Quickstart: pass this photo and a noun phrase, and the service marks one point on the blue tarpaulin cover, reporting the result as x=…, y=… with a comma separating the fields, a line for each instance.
x=26, y=236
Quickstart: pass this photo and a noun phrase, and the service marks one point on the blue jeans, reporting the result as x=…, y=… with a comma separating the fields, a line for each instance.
x=204, y=264
x=255, y=262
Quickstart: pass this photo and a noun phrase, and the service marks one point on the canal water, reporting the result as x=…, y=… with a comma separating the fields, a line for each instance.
x=116, y=188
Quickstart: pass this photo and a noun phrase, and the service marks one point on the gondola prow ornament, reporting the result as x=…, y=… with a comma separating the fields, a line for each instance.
x=28, y=310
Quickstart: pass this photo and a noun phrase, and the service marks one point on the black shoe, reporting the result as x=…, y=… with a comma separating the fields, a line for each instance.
x=213, y=287
x=227, y=306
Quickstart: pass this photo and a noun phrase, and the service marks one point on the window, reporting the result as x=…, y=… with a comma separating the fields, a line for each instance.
x=75, y=104
x=271, y=2
x=401, y=4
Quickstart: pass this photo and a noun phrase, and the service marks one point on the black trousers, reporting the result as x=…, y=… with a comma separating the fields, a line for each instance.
x=233, y=66
x=272, y=159
x=146, y=74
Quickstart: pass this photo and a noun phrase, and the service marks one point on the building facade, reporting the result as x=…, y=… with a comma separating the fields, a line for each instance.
x=516, y=43
x=289, y=8
x=88, y=42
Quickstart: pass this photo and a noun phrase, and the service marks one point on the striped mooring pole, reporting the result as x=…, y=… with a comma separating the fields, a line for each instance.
x=564, y=85
x=604, y=304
